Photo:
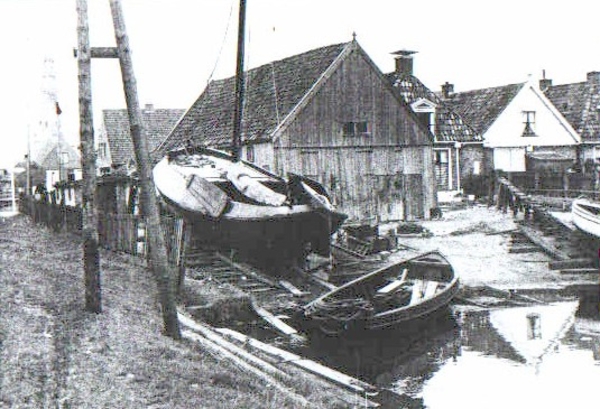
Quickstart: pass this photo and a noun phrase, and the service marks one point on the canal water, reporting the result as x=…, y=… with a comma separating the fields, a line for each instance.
x=534, y=356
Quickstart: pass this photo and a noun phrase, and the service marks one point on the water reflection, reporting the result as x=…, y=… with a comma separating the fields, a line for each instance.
x=532, y=356
x=509, y=361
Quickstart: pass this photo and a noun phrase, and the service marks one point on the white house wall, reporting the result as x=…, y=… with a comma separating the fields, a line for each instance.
x=510, y=159
x=550, y=127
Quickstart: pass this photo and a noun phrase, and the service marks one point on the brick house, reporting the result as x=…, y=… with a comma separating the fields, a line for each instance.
x=456, y=144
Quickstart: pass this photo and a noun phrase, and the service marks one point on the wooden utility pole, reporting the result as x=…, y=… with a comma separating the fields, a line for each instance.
x=239, y=84
x=91, y=256
x=157, y=248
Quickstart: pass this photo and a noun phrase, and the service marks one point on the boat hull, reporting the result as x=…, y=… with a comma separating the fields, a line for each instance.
x=272, y=244
x=230, y=217
x=427, y=267
x=586, y=216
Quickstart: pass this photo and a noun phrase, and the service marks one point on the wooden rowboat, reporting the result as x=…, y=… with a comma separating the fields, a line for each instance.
x=586, y=216
x=388, y=297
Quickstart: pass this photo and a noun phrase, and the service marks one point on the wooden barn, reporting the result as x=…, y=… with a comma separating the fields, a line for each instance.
x=329, y=114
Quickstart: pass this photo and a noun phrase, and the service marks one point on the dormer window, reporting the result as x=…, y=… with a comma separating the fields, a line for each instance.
x=529, y=122
x=425, y=111
x=360, y=128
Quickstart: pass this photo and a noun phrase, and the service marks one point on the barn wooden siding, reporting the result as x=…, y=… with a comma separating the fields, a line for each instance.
x=386, y=174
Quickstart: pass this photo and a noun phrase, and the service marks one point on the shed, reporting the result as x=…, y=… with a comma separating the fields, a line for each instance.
x=329, y=114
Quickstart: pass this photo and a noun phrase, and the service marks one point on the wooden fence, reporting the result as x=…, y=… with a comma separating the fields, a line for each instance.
x=116, y=231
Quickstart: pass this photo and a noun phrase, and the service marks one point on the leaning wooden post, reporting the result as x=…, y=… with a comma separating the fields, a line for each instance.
x=91, y=257
x=157, y=249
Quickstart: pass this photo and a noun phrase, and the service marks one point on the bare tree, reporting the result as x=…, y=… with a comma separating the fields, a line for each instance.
x=157, y=249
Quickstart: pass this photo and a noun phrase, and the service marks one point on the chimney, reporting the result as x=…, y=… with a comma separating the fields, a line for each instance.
x=404, y=62
x=545, y=83
x=593, y=78
x=149, y=107
x=447, y=90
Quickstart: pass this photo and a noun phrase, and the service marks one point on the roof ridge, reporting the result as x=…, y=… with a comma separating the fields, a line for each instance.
x=283, y=60
x=492, y=88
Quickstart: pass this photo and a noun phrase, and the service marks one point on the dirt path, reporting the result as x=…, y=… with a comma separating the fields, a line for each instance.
x=469, y=238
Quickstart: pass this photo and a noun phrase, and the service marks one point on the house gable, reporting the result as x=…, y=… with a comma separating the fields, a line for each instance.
x=530, y=120
x=480, y=108
x=116, y=132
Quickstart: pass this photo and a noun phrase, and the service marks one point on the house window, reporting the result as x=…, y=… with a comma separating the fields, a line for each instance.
x=441, y=157
x=529, y=122
x=102, y=150
x=356, y=128
x=476, y=167
x=425, y=118
x=250, y=153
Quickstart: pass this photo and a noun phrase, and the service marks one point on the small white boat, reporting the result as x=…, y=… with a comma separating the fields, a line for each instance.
x=586, y=216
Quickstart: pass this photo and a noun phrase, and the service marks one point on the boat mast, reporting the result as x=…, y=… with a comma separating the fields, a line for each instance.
x=239, y=84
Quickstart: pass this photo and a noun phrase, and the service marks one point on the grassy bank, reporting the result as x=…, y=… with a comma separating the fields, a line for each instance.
x=53, y=354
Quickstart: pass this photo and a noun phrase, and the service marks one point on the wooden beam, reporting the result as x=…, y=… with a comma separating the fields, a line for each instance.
x=353, y=384
x=524, y=249
x=276, y=323
x=572, y=263
x=157, y=247
x=579, y=271
x=544, y=244
x=100, y=52
x=292, y=288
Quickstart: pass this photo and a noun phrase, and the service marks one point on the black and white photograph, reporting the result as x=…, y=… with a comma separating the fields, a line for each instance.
x=286, y=204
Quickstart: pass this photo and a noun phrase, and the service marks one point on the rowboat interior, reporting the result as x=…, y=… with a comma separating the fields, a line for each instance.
x=387, y=296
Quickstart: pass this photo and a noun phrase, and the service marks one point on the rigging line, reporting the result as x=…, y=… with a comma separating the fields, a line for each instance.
x=186, y=137
x=222, y=43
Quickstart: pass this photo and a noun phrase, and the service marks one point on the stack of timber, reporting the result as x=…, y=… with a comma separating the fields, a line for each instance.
x=274, y=364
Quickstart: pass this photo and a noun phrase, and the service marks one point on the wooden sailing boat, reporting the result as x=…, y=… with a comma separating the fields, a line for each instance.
x=236, y=205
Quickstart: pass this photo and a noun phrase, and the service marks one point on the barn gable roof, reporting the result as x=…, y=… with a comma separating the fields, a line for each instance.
x=272, y=93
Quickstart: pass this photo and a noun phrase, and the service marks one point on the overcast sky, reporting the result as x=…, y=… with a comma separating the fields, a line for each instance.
x=176, y=44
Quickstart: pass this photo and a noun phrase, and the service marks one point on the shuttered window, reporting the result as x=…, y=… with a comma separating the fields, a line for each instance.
x=355, y=128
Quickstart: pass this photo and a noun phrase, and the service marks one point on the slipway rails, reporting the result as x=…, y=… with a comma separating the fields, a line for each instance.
x=574, y=255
